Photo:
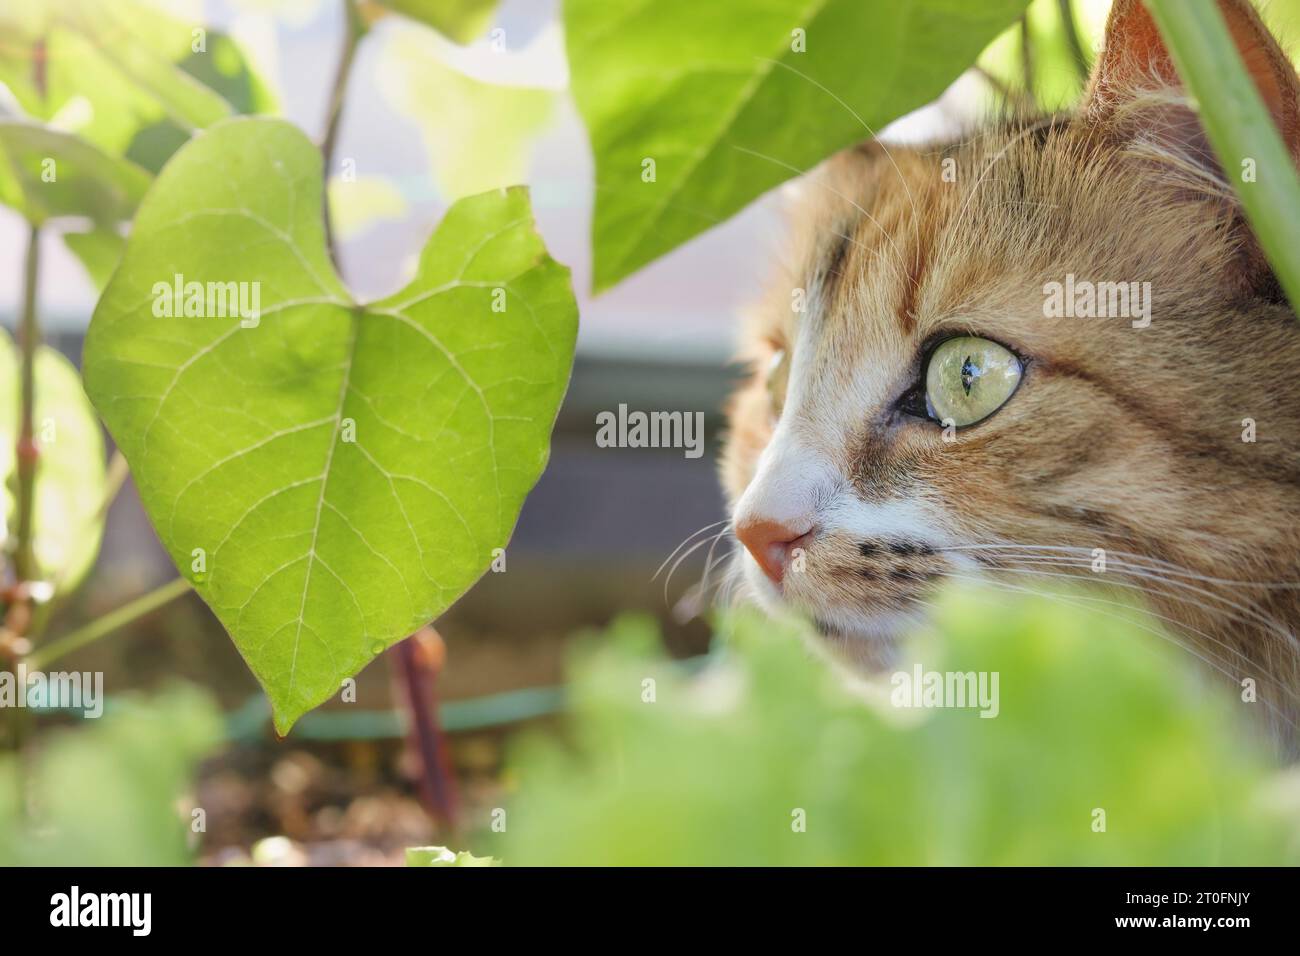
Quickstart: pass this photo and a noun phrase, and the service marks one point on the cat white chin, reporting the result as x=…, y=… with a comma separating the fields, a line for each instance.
x=865, y=643
x=860, y=636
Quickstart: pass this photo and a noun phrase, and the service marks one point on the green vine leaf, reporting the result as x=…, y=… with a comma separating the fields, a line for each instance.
x=46, y=173
x=127, y=79
x=728, y=99
x=330, y=476
x=126, y=76
x=69, y=471
x=462, y=21
x=107, y=793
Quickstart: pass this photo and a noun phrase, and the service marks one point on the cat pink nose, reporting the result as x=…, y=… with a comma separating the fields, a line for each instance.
x=772, y=543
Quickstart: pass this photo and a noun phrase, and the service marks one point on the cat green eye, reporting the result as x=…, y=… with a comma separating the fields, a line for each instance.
x=968, y=379
x=778, y=374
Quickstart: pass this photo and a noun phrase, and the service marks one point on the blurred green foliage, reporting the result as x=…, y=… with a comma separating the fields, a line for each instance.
x=1058, y=58
x=1095, y=715
x=108, y=92
x=124, y=76
x=441, y=856
x=46, y=173
x=107, y=793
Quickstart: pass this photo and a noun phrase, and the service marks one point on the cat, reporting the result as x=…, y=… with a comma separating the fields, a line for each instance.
x=934, y=414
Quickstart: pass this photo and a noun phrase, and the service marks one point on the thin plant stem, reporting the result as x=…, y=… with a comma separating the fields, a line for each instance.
x=353, y=30
x=1026, y=58
x=114, y=478
x=1009, y=95
x=1071, y=28
x=19, y=618
x=419, y=661
x=110, y=622
x=26, y=454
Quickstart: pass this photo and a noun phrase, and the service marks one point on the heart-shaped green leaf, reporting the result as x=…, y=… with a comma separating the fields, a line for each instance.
x=330, y=476
x=731, y=97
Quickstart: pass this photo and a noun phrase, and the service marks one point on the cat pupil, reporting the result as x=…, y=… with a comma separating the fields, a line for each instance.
x=968, y=374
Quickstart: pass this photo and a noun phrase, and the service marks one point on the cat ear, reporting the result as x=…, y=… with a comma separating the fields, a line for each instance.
x=1135, y=64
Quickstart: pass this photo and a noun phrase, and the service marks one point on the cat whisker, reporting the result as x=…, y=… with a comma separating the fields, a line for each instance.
x=1146, y=573
x=831, y=189
x=852, y=112
x=683, y=207
x=1074, y=601
x=1015, y=569
x=1133, y=558
x=1219, y=663
x=706, y=216
x=732, y=582
x=1164, y=572
x=697, y=597
x=711, y=539
x=687, y=540
x=709, y=561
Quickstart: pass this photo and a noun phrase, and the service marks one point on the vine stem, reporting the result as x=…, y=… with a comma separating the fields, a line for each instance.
x=1071, y=28
x=353, y=30
x=114, y=478
x=15, y=635
x=18, y=619
x=1027, y=57
x=26, y=453
x=110, y=622
x=1008, y=93
x=420, y=658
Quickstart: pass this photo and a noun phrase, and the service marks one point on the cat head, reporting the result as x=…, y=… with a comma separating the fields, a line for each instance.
x=1051, y=347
